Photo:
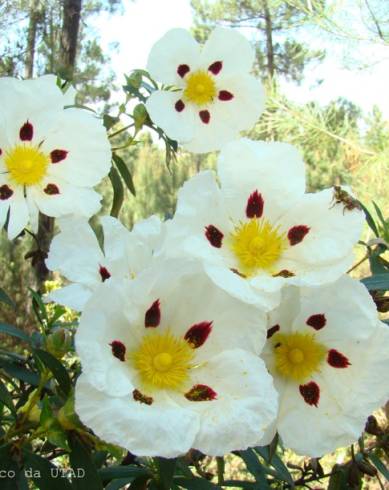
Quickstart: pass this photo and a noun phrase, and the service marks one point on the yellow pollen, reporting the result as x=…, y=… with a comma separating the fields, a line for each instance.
x=26, y=165
x=162, y=361
x=297, y=355
x=200, y=88
x=257, y=246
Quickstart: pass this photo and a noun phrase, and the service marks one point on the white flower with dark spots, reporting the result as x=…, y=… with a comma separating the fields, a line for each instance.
x=169, y=364
x=76, y=253
x=329, y=356
x=259, y=230
x=50, y=157
x=214, y=96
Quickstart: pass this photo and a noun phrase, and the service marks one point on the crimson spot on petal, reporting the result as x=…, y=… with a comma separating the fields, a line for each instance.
x=140, y=397
x=310, y=392
x=104, y=273
x=272, y=330
x=297, y=233
x=182, y=70
x=317, y=321
x=51, y=190
x=214, y=236
x=200, y=393
x=225, y=95
x=254, y=208
x=179, y=106
x=1, y=152
x=118, y=350
x=198, y=334
x=26, y=132
x=216, y=67
x=205, y=116
x=5, y=192
x=153, y=315
x=337, y=359
x=58, y=155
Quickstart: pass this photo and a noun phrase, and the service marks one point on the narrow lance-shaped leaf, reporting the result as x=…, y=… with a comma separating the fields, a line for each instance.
x=125, y=173
x=118, y=192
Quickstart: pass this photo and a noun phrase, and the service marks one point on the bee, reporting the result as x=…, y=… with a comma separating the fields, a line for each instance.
x=343, y=197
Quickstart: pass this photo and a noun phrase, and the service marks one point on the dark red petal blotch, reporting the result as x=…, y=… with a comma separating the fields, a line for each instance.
x=198, y=334
x=317, y=321
x=214, y=236
x=216, y=67
x=118, y=350
x=297, y=234
x=26, y=132
x=272, y=330
x=254, y=208
x=182, y=70
x=5, y=192
x=225, y=95
x=205, y=116
x=179, y=106
x=153, y=315
x=51, y=190
x=310, y=392
x=104, y=273
x=201, y=393
x=58, y=155
x=337, y=359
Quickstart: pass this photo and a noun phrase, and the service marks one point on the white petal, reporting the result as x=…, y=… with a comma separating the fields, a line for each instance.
x=83, y=136
x=275, y=170
x=176, y=47
x=19, y=215
x=70, y=200
x=179, y=126
x=74, y=296
x=170, y=430
x=230, y=47
x=246, y=403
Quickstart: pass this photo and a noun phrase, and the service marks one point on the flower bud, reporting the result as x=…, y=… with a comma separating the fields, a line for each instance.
x=372, y=426
x=67, y=416
x=59, y=342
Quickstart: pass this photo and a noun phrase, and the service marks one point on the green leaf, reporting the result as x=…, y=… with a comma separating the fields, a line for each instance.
x=255, y=467
x=44, y=474
x=121, y=482
x=196, y=484
x=338, y=479
x=379, y=465
x=80, y=459
x=380, y=215
x=57, y=369
x=370, y=221
x=39, y=306
x=19, y=372
x=377, y=282
x=166, y=468
x=125, y=173
x=109, y=121
x=6, y=398
x=113, y=472
x=4, y=298
x=15, y=332
x=118, y=192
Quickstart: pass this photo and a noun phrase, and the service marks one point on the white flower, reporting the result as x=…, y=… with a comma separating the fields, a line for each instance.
x=167, y=365
x=75, y=253
x=50, y=157
x=215, y=97
x=259, y=230
x=329, y=355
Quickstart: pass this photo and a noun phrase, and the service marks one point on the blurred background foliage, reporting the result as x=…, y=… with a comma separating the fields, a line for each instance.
x=341, y=143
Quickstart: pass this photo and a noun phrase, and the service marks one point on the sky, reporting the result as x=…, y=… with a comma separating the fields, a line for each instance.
x=144, y=21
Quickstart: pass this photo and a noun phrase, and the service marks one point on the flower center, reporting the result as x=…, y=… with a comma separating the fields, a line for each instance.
x=257, y=245
x=297, y=355
x=162, y=361
x=200, y=88
x=27, y=165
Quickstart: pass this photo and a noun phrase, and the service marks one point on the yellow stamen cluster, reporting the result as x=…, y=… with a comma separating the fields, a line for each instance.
x=200, y=88
x=297, y=355
x=257, y=245
x=162, y=361
x=27, y=165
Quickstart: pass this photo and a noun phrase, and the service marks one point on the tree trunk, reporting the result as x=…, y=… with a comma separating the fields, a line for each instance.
x=68, y=54
x=69, y=37
x=31, y=38
x=269, y=39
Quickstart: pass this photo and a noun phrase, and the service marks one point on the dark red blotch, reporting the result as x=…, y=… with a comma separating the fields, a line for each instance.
x=297, y=234
x=254, y=208
x=337, y=359
x=214, y=236
x=310, y=392
x=153, y=315
x=198, y=334
x=118, y=350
